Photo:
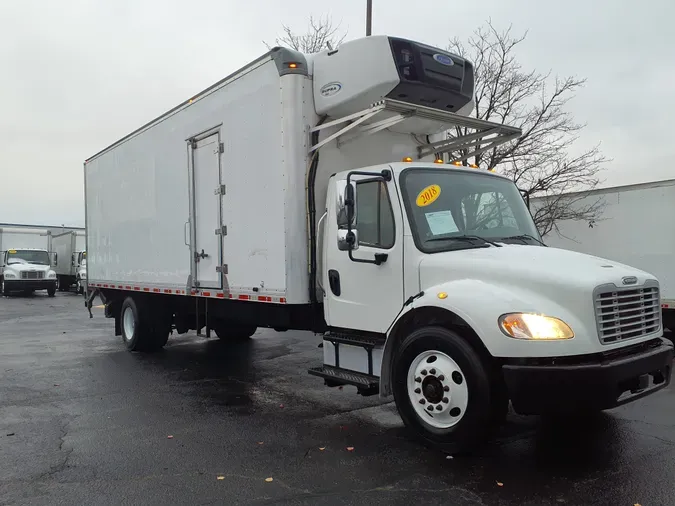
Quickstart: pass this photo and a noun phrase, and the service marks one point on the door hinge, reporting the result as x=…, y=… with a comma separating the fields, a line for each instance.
x=220, y=190
x=222, y=230
x=222, y=269
x=221, y=147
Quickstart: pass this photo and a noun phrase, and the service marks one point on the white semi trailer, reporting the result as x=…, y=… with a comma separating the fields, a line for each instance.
x=309, y=192
x=618, y=233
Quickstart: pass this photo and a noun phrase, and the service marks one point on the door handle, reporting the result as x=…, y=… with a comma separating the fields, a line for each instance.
x=200, y=255
x=185, y=233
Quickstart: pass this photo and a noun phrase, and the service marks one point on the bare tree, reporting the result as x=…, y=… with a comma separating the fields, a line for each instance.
x=321, y=35
x=540, y=161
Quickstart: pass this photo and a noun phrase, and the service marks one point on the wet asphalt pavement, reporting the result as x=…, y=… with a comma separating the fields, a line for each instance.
x=82, y=421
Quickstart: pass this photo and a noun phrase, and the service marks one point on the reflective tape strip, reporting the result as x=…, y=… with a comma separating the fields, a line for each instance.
x=207, y=293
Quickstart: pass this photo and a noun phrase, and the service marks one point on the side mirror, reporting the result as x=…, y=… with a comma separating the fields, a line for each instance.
x=348, y=240
x=345, y=203
x=526, y=197
x=55, y=259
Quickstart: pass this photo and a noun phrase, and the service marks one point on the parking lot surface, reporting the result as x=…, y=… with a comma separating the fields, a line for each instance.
x=83, y=421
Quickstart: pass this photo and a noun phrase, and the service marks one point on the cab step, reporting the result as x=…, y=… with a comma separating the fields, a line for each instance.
x=334, y=376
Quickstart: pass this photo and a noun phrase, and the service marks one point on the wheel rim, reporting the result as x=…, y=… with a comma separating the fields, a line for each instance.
x=129, y=323
x=437, y=389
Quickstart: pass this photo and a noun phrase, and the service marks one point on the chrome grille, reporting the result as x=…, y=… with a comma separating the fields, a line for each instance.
x=32, y=275
x=627, y=313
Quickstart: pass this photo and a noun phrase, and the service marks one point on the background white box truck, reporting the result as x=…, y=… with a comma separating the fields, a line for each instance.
x=68, y=254
x=302, y=192
x=619, y=232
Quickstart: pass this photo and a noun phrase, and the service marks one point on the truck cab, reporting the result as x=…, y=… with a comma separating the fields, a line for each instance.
x=26, y=270
x=438, y=289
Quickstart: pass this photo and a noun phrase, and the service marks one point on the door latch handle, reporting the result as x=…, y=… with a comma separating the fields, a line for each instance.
x=200, y=255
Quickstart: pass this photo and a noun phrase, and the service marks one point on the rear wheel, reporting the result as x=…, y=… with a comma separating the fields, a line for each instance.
x=143, y=330
x=51, y=291
x=443, y=390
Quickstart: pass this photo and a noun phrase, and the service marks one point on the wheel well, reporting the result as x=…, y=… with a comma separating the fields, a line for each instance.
x=426, y=316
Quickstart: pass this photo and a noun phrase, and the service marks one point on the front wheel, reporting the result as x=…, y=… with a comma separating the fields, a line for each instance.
x=51, y=291
x=443, y=390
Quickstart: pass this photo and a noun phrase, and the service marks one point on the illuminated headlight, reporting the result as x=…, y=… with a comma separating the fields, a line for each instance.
x=9, y=275
x=51, y=274
x=534, y=327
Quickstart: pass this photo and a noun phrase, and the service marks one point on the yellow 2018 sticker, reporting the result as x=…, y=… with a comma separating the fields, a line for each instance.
x=12, y=251
x=428, y=195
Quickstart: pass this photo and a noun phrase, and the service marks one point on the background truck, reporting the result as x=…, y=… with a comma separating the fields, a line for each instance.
x=26, y=270
x=324, y=193
x=619, y=233
x=68, y=254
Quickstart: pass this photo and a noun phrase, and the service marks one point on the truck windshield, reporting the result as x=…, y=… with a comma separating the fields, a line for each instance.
x=18, y=256
x=452, y=209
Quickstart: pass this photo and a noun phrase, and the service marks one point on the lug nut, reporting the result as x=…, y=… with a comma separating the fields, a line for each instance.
x=433, y=371
x=418, y=380
x=430, y=408
x=445, y=400
x=424, y=372
x=423, y=401
x=446, y=388
x=418, y=391
x=439, y=407
x=441, y=378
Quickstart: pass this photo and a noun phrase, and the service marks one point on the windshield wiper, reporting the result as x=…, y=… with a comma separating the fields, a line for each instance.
x=522, y=237
x=464, y=238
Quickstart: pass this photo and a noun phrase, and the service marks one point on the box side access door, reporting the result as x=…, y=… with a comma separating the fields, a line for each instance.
x=206, y=211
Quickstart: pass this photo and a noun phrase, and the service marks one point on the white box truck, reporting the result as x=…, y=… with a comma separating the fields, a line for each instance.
x=26, y=270
x=68, y=254
x=309, y=192
x=619, y=232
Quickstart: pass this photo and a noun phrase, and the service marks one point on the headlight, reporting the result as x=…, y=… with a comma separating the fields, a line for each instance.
x=51, y=274
x=534, y=326
x=9, y=275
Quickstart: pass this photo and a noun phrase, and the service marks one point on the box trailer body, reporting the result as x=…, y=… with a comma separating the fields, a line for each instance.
x=619, y=235
x=324, y=193
x=12, y=237
x=68, y=253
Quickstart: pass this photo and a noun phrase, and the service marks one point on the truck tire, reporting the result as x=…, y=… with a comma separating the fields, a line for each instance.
x=232, y=332
x=51, y=291
x=140, y=331
x=61, y=284
x=3, y=288
x=443, y=390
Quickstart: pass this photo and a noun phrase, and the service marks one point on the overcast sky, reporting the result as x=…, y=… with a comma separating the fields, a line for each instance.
x=76, y=75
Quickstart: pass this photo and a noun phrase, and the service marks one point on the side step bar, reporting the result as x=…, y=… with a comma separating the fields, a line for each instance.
x=334, y=376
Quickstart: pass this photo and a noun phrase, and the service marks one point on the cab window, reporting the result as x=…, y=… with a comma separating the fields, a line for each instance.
x=374, y=215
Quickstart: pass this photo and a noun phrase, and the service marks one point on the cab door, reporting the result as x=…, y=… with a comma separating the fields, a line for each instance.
x=361, y=294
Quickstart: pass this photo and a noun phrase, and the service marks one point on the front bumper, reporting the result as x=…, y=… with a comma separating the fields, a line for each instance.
x=18, y=285
x=592, y=382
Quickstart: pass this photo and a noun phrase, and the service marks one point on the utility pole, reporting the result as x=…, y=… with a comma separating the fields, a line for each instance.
x=369, y=17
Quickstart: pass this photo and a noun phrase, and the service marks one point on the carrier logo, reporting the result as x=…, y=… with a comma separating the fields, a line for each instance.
x=444, y=59
x=629, y=280
x=330, y=89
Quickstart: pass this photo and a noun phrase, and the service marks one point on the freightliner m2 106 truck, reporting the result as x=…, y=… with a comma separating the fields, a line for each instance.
x=69, y=255
x=323, y=193
x=26, y=270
